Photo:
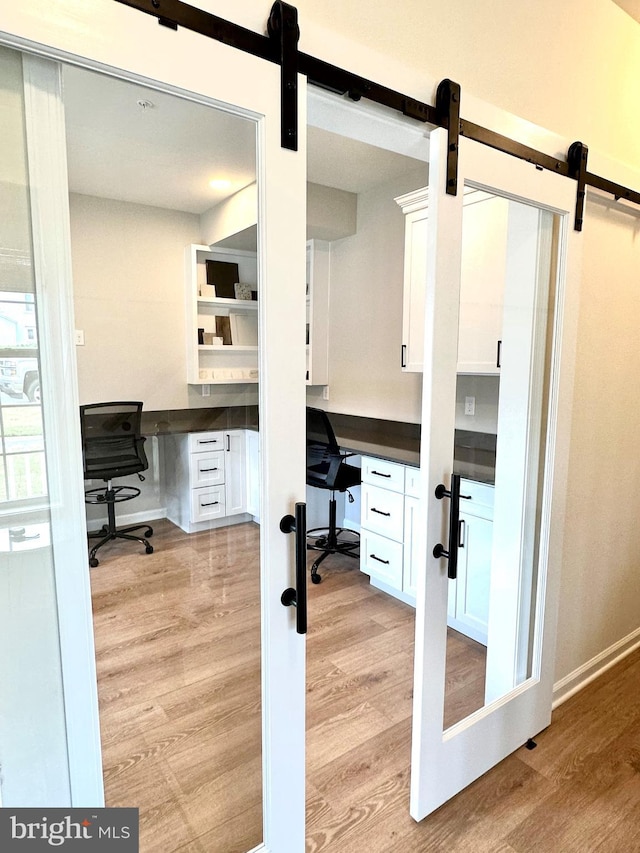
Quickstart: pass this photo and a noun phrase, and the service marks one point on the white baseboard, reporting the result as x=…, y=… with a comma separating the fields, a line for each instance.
x=131, y=518
x=588, y=672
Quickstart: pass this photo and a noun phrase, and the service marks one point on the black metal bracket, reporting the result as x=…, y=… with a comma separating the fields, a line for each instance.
x=448, y=110
x=162, y=19
x=282, y=28
x=577, y=160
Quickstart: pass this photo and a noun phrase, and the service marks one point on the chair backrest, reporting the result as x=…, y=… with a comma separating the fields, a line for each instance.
x=112, y=443
x=319, y=430
x=323, y=452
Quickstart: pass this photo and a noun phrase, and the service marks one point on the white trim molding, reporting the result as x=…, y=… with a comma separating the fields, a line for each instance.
x=594, y=668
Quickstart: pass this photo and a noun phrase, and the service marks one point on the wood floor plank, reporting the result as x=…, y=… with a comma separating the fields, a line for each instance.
x=333, y=737
x=178, y=657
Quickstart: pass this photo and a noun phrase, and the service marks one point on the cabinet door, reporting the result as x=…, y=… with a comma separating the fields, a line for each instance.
x=253, y=473
x=411, y=557
x=235, y=472
x=415, y=274
x=484, y=253
x=471, y=589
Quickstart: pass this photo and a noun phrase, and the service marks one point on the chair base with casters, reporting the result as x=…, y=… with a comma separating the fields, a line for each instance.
x=111, y=496
x=332, y=540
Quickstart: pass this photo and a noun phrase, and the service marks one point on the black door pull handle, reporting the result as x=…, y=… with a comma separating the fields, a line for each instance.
x=380, y=512
x=373, y=557
x=451, y=554
x=298, y=597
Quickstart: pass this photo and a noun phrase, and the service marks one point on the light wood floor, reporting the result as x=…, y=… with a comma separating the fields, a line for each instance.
x=177, y=639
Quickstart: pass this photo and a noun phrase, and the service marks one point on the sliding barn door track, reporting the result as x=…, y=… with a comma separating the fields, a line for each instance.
x=280, y=46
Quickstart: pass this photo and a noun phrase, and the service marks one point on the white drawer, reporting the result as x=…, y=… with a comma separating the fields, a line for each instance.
x=476, y=498
x=412, y=481
x=381, y=558
x=207, y=469
x=379, y=472
x=207, y=503
x=205, y=441
x=382, y=511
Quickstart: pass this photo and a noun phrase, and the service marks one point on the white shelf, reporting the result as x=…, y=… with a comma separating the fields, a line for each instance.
x=221, y=302
x=227, y=348
x=219, y=364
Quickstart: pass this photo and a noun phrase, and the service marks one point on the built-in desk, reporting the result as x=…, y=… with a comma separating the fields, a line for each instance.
x=387, y=513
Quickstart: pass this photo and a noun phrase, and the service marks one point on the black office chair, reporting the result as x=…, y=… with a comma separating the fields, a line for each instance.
x=112, y=446
x=327, y=469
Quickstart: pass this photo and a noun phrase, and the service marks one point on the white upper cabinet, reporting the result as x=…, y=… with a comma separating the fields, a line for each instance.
x=415, y=206
x=484, y=251
x=481, y=285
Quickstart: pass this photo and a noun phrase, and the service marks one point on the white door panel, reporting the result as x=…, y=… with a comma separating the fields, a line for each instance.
x=538, y=330
x=215, y=75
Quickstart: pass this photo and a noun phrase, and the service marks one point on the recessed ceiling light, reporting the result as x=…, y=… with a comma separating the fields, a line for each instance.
x=219, y=184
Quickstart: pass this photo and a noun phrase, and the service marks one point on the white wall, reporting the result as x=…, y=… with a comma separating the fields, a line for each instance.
x=128, y=282
x=365, y=325
x=485, y=389
x=600, y=602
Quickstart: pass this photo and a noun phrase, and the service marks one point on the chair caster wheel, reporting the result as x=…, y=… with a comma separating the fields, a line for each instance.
x=149, y=549
x=93, y=562
x=149, y=532
x=315, y=578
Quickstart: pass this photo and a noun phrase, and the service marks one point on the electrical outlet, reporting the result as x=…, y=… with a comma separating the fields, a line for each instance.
x=325, y=392
x=469, y=405
x=206, y=390
x=79, y=338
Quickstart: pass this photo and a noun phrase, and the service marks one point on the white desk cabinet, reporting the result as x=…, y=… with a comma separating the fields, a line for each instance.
x=387, y=515
x=468, y=605
x=206, y=479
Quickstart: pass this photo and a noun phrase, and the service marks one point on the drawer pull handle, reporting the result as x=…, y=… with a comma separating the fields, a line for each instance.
x=373, y=557
x=380, y=474
x=212, y=503
x=207, y=470
x=208, y=440
x=380, y=512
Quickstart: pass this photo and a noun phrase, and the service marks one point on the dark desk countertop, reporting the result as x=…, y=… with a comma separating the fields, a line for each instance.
x=474, y=454
x=174, y=421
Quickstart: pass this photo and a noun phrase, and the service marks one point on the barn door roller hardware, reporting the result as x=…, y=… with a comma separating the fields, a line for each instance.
x=283, y=28
x=448, y=109
x=577, y=160
x=281, y=47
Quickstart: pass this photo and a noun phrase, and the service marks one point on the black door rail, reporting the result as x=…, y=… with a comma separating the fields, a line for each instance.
x=281, y=48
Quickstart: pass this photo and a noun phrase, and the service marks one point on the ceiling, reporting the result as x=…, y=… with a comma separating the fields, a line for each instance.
x=132, y=143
